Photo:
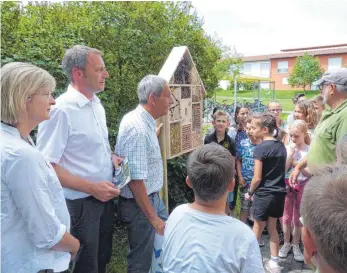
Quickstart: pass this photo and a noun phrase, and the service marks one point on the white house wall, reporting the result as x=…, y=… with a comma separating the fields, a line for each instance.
x=257, y=70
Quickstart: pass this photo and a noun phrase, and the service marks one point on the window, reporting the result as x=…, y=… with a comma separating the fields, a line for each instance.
x=334, y=63
x=282, y=67
x=264, y=69
x=285, y=80
x=247, y=68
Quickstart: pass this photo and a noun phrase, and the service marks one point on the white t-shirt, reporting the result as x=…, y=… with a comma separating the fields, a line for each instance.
x=195, y=241
x=298, y=156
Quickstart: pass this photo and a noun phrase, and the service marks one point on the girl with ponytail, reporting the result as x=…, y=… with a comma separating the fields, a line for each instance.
x=298, y=131
x=267, y=186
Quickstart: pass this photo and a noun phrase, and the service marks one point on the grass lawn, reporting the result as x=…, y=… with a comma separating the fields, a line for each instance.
x=119, y=253
x=282, y=94
x=284, y=97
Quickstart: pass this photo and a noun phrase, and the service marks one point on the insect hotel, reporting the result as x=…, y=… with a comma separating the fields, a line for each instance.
x=182, y=127
x=183, y=124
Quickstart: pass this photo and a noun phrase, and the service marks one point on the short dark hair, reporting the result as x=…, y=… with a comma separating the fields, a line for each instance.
x=297, y=96
x=267, y=120
x=323, y=209
x=215, y=110
x=210, y=169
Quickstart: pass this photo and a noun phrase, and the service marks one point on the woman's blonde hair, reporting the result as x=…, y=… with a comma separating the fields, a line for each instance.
x=310, y=113
x=302, y=126
x=20, y=81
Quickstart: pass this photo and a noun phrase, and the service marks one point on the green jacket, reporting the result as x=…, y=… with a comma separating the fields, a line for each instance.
x=331, y=128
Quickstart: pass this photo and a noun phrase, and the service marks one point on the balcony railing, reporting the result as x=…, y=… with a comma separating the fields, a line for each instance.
x=282, y=70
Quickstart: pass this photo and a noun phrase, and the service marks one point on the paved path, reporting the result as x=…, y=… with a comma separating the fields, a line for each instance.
x=288, y=265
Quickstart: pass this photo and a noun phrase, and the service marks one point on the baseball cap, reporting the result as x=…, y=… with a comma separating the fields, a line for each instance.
x=337, y=76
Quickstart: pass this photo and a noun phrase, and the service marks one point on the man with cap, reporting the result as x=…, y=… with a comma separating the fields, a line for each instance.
x=333, y=124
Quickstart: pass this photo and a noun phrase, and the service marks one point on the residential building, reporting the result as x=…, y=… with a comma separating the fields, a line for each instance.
x=279, y=66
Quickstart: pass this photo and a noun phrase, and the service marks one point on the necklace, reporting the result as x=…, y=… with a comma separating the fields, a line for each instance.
x=27, y=140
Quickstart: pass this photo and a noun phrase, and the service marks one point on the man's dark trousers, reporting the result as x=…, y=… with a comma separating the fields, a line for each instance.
x=140, y=232
x=92, y=224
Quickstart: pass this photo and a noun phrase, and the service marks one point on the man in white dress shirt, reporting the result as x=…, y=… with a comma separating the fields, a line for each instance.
x=75, y=141
x=140, y=207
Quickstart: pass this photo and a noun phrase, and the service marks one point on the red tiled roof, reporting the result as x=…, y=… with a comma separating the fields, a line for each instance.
x=295, y=54
x=313, y=47
x=256, y=58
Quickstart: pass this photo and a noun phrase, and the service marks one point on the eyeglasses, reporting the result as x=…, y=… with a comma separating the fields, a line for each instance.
x=48, y=95
x=275, y=110
x=321, y=86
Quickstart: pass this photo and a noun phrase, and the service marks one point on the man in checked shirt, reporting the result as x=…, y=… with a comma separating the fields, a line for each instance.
x=140, y=207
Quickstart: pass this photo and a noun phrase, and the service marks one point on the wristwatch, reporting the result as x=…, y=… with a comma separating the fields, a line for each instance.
x=250, y=193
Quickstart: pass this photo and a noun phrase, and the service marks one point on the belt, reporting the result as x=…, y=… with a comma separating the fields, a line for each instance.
x=151, y=195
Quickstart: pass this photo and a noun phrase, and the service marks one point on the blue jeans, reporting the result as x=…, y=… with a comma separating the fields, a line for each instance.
x=140, y=231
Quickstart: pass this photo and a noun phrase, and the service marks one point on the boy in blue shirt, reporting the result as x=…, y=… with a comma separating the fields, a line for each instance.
x=245, y=167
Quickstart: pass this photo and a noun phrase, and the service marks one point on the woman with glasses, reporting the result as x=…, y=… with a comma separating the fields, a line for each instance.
x=275, y=108
x=35, y=221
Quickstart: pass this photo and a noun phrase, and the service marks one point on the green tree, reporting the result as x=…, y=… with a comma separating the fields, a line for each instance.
x=135, y=37
x=227, y=68
x=305, y=71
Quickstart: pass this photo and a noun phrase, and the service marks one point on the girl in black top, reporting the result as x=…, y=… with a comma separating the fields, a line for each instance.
x=268, y=184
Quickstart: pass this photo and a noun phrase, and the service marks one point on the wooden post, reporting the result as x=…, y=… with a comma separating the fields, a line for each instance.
x=164, y=193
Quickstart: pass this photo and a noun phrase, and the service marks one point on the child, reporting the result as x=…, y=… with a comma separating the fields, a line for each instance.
x=200, y=237
x=318, y=103
x=231, y=130
x=298, y=132
x=245, y=167
x=241, y=115
x=304, y=110
x=268, y=184
x=221, y=123
x=324, y=214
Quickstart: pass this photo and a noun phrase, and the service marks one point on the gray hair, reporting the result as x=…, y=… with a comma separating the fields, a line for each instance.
x=20, y=81
x=210, y=170
x=341, y=88
x=273, y=102
x=324, y=212
x=150, y=84
x=77, y=56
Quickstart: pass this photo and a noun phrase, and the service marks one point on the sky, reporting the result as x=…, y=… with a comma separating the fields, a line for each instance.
x=257, y=27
